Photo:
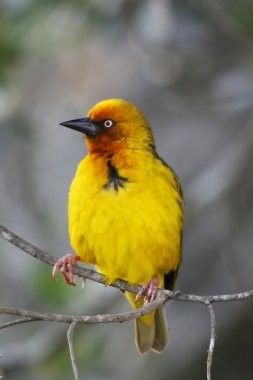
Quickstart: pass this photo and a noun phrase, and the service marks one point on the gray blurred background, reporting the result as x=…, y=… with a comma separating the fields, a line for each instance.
x=188, y=66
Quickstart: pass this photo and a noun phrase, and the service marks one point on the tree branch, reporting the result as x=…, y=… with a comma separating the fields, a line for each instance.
x=70, y=337
x=120, y=284
x=15, y=322
x=89, y=319
x=162, y=297
x=49, y=259
x=212, y=341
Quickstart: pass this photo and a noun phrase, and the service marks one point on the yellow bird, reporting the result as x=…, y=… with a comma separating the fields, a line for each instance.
x=125, y=211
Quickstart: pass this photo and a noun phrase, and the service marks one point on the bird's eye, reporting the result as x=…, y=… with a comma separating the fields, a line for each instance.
x=108, y=123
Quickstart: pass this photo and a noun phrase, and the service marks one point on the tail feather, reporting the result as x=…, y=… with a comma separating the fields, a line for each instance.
x=144, y=335
x=151, y=331
x=152, y=336
x=161, y=331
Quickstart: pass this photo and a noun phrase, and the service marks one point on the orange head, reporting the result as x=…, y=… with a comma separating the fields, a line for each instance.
x=114, y=124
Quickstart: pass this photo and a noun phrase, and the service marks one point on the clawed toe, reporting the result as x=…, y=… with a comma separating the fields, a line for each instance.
x=65, y=265
x=148, y=290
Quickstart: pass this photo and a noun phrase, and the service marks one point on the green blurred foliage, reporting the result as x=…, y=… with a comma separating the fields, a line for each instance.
x=9, y=47
x=51, y=294
x=242, y=12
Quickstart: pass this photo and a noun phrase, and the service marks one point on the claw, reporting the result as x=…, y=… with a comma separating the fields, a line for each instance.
x=148, y=290
x=65, y=265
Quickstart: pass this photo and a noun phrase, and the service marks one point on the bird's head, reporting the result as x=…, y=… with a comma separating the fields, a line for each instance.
x=112, y=125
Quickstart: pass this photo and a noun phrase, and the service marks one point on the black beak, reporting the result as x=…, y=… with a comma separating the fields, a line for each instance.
x=83, y=125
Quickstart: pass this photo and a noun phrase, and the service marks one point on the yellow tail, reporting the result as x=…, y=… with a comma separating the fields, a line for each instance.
x=151, y=331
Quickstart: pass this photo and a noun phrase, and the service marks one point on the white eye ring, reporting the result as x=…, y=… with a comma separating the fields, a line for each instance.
x=108, y=123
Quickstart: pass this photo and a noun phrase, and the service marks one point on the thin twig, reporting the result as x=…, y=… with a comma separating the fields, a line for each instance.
x=49, y=259
x=205, y=299
x=70, y=337
x=89, y=319
x=25, y=246
x=15, y=322
x=212, y=341
x=2, y=374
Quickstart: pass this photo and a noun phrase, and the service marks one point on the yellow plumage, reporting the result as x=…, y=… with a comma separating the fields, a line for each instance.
x=125, y=209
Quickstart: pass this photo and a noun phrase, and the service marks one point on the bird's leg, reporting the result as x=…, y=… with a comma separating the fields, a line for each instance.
x=148, y=290
x=65, y=264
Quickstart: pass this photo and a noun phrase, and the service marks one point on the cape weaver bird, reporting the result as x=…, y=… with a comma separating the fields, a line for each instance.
x=125, y=211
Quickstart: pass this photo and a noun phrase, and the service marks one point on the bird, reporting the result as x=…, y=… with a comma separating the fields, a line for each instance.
x=125, y=212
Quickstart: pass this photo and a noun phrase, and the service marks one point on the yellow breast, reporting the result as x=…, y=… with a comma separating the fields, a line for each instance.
x=130, y=231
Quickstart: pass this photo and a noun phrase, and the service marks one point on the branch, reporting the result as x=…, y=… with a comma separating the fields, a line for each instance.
x=49, y=259
x=89, y=319
x=162, y=297
x=212, y=341
x=120, y=284
x=70, y=336
x=15, y=322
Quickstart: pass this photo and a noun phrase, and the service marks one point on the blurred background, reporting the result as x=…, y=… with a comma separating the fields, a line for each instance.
x=188, y=66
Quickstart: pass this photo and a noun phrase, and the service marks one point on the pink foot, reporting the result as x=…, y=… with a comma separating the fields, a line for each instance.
x=148, y=290
x=65, y=264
